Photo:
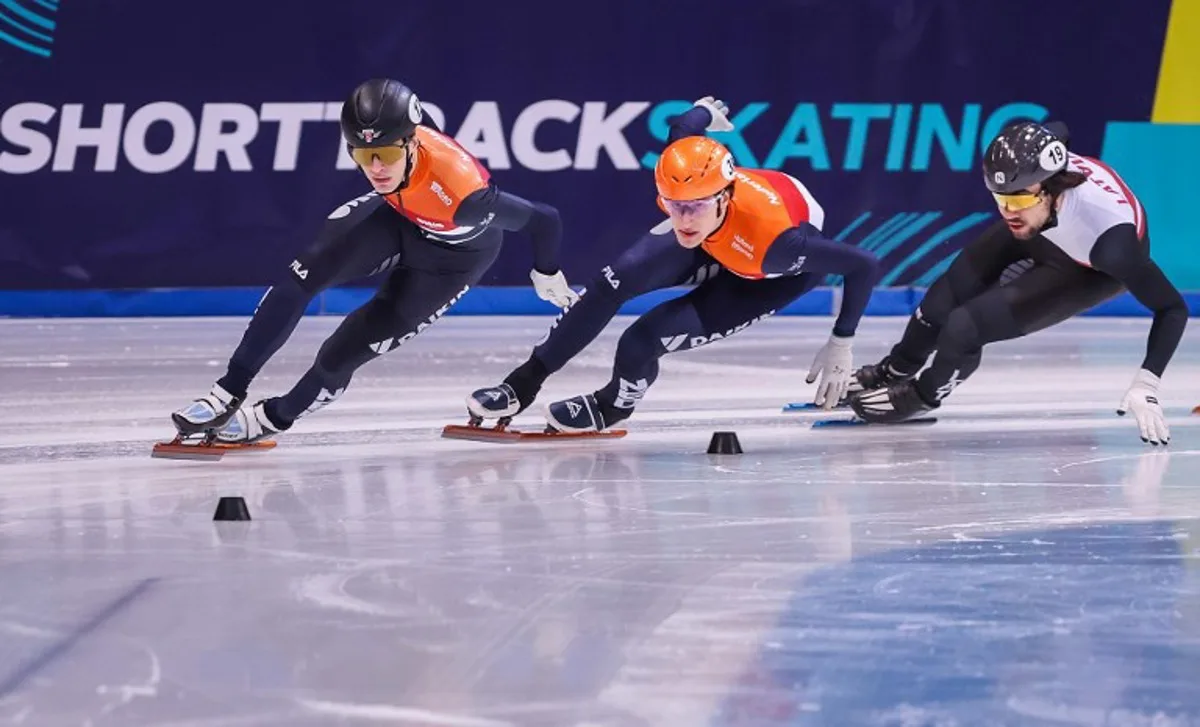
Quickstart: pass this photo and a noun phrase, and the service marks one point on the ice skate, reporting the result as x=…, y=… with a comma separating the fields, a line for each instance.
x=208, y=413
x=495, y=402
x=569, y=424
x=865, y=378
x=898, y=402
x=248, y=426
x=205, y=428
x=576, y=415
x=874, y=376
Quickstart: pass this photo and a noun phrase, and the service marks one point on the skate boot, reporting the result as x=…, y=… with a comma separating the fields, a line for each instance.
x=246, y=427
x=208, y=413
x=496, y=402
x=897, y=402
x=580, y=414
x=875, y=376
x=511, y=397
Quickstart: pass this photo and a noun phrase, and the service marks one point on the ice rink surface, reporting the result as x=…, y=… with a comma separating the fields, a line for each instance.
x=1025, y=561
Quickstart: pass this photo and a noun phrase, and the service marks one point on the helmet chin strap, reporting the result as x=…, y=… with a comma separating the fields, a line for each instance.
x=723, y=210
x=409, y=162
x=1051, y=221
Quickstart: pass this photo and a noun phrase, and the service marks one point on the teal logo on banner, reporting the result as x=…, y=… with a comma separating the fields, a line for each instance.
x=28, y=25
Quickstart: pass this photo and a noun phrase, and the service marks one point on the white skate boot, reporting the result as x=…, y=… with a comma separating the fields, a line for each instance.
x=248, y=426
x=208, y=413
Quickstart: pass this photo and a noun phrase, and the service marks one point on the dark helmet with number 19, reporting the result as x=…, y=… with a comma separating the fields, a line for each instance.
x=380, y=112
x=1024, y=154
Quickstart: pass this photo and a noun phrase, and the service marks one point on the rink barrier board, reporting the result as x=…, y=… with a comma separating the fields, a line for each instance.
x=511, y=301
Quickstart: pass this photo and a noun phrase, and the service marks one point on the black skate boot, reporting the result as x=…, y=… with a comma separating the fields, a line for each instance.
x=898, y=402
x=876, y=376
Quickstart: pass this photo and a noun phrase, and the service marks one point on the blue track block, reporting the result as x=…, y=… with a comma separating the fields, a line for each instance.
x=809, y=406
x=856, y=422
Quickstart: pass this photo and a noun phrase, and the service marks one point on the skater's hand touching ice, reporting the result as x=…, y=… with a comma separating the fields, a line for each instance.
x=834, y=363
x=1142, y=401
x=553, y=288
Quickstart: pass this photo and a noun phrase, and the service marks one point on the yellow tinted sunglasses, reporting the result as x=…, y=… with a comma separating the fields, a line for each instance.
x=1017, y=202
x=387, y=154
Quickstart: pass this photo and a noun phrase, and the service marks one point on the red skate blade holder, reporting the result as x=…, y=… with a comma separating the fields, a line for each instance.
x=503, y=434
x=205, y=449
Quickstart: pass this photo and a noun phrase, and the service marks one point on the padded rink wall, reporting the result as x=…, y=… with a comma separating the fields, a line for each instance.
x=129, y=192
x=479, y=301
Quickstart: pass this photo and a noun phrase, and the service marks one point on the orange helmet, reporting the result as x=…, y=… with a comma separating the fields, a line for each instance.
x=693, y=168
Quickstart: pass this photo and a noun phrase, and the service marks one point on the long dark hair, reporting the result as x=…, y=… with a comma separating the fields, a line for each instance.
x=1061, y=182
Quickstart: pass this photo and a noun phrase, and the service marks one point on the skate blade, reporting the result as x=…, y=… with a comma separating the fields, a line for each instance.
x=206, y=452
x=856, y=422
x=510, y=436
x=809, y=406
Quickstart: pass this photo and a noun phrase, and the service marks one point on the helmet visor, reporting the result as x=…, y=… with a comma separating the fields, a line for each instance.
x=389, y=155
x=690, y=207
x=1018, y=201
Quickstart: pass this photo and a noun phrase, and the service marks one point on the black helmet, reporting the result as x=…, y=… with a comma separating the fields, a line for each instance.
x=380, y=112
x=1024, y=154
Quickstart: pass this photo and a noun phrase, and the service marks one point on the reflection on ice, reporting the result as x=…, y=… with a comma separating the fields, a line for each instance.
x=1025, y=561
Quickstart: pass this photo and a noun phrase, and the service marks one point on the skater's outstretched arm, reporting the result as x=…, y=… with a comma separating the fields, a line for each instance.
x=707, y=114
x=1119, y=253
x=803, y=249
x=515, y=214
x=490, y=206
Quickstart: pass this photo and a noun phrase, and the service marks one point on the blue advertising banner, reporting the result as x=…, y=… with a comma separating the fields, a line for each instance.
x=143, y=150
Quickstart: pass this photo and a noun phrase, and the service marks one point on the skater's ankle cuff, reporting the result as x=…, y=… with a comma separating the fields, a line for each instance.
x=276, y=420
x=528, y=377
x=929, y=398
x=903, y=367
x=609, y=412
x=236, y=381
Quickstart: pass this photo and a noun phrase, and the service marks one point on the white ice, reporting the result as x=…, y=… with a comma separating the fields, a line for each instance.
x=1026, y=560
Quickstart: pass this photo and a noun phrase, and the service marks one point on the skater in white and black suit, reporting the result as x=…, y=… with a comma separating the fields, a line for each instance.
x=1075, y=235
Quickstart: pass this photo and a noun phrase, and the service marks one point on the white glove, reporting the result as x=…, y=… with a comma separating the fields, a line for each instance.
x=553, y=288
x=834, y=363
x=1142, y=400
x=720, y=114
